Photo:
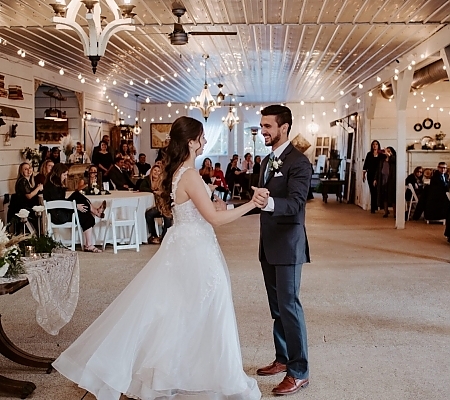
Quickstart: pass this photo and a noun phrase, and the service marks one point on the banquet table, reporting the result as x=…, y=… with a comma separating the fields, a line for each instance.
x=54, y=284
x=146, y=200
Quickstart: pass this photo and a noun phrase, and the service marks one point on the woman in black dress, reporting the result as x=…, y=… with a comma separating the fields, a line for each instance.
x=103, y=160
x=370, y=169
x=385, y=180
x=26, y=190
x=55, y=189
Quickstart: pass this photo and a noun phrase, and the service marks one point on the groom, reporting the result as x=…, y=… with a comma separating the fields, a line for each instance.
x=283, y=248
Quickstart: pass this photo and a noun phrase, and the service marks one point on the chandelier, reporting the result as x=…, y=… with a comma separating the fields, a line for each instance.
x=95, y=40
x=137, y=129
x=313, y=127
x=231, y=119
x=205, y=102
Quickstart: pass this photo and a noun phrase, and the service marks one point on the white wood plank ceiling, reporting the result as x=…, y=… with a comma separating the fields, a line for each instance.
x=284, y=50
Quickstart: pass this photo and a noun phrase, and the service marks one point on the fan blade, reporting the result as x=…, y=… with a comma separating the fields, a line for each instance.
x=212, y=33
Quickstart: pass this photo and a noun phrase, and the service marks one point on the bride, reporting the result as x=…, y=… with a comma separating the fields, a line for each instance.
x=171, y=334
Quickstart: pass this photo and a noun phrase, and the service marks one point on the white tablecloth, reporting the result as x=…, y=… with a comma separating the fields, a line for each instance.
x=146, y=200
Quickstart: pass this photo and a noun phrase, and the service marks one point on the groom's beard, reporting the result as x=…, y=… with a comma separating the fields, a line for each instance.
x=274, y=140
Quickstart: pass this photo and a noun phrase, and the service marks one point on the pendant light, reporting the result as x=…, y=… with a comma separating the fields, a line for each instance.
x=137, y=129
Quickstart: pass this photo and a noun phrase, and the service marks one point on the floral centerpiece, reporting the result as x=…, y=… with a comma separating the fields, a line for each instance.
x=93, y=189
x=32, y=155
x=439, y=138
x=11, y=264
x=67, y=146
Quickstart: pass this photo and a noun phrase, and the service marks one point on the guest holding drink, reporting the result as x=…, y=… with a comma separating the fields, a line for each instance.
x=26, y=189
x=207, y=171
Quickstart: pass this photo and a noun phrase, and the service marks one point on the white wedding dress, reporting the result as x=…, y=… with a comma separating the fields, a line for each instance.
x=171, y=334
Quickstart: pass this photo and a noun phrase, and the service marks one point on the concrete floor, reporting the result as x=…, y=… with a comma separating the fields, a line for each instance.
x=376, y=301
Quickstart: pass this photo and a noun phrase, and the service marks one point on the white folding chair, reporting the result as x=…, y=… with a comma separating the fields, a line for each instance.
x=236, y=194
x=123, y=214
x=414, y=199
x=73, y=225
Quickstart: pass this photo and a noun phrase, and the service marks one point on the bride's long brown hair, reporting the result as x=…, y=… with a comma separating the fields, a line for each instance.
x=183, y=130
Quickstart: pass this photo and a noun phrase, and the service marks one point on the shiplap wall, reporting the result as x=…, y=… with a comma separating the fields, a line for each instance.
x=20, y=72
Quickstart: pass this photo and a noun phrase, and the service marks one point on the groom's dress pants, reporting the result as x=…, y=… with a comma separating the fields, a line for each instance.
x=289, y=329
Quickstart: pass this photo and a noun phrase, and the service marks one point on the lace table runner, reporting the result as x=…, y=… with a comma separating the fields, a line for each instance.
x=54, y=284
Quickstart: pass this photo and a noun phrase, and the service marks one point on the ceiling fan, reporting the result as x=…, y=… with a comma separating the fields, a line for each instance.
x=179, y=36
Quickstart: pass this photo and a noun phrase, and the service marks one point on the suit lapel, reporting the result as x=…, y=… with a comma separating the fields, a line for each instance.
x=283, y=156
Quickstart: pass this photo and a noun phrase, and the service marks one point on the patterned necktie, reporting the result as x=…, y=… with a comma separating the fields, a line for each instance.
x=269, y=165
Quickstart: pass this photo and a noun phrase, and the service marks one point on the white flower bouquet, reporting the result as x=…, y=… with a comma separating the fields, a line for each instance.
x=10, y=261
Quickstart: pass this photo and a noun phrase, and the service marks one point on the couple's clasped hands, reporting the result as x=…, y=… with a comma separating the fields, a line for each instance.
x=260, y=197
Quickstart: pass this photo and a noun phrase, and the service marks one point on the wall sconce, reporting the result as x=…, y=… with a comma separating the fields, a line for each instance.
x=87, y=116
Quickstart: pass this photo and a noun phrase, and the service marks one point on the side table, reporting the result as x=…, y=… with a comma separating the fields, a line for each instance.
x=14, y=387
x=332, y=186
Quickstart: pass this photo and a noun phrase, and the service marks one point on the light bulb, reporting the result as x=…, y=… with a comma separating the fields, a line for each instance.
x=125, y=94
x=147, y=100
x=61, y=71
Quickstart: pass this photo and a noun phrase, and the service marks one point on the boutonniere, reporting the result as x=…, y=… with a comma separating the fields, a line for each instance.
x=275, y=164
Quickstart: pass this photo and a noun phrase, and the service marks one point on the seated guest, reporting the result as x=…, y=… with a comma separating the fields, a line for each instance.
x=151, y=184
x=45, y=154
x=247, y=164
x=220, y=181
x=55, y=189
x=119, y=178
x=416, y=180
x=129, y=168
x=44, y=171
x=55, y=155
x=434, y=203
x=142, y=165
x=90, y=179
x=207, y=170
x=257, y=165
x=80, y=156
x=236, y=175
x=26, y=191
x=235, y=157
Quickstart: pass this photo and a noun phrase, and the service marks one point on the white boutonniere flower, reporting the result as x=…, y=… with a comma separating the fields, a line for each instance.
x=96, y=190
x=275, y=165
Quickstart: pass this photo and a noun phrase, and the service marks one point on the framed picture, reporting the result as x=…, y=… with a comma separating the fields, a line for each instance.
x=159, y=135
x=49, y=131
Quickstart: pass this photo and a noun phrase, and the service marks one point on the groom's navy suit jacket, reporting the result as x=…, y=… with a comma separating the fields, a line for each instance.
x=282, y=235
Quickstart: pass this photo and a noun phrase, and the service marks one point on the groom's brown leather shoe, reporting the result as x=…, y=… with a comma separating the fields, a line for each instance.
x=290, y=385
x=272, y=369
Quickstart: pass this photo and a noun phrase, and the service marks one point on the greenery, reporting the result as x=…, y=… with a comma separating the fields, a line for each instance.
x=43, y=244
x=11, y=264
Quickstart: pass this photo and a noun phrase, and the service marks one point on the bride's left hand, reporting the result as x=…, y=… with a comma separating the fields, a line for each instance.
x=219, y=204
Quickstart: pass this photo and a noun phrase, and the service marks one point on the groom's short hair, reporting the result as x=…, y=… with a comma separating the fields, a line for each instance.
x=282, y=114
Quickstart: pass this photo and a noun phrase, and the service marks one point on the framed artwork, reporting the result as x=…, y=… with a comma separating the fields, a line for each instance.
x=159, y=135
x=49, y=131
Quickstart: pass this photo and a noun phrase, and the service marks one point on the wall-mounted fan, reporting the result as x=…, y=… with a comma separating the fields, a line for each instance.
x=179, y=36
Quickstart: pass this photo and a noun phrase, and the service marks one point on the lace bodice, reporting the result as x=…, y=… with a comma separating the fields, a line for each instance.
x=185, y=212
